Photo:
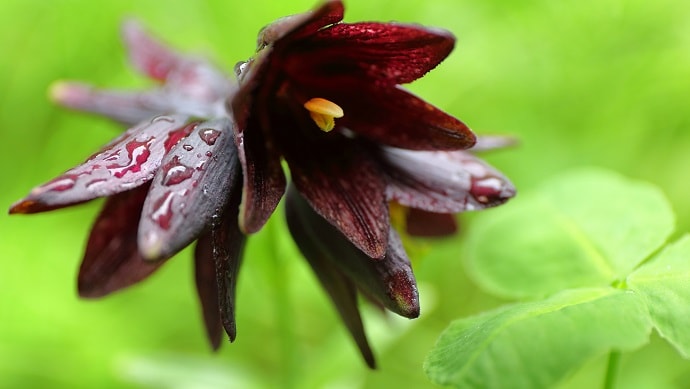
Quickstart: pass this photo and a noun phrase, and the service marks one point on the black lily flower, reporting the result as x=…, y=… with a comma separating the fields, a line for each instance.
x=322, y=95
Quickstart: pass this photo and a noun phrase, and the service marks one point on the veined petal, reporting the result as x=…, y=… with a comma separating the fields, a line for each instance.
x=217, y=257
x=389, y=280
x=395, y=53
x=126, y=163
x=264, y=180
x=112, y=260
x=390, y=115
x=189, y=190
x=342, y=290
x=443, y=182
x=344, y=185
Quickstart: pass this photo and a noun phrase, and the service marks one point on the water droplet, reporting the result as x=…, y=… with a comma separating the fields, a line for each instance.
x=163, y=210
x=61, y=184
x=93, y=184
x=177, y=135
x=137, y=153
x=209, y=154
x=162, y=118
x=175, y=172
x=188, y=147
x=209, y=135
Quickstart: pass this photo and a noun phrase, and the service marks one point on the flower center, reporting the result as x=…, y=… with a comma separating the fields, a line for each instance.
x=324, y=112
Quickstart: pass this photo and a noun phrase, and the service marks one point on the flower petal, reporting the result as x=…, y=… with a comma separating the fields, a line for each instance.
x=147, y=54
x=389, y=280
x=342, y=291
x=264, y=180
x=126, y=163
x=344, y=185
x=218, y=256
x=189, y=190
x=389, y=115
x=386, y=52
x=294, y=27
x=112, y=260
x=429, y=224
x=443, y=182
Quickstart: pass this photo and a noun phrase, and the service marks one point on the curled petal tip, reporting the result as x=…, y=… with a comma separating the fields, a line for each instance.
x=151, y=246
x=22, y=206
x=67, y=93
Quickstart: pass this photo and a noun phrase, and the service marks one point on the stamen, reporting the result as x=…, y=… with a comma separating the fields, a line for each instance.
x=324, y=112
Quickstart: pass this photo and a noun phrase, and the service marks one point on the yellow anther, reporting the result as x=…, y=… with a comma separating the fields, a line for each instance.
x=323, y=112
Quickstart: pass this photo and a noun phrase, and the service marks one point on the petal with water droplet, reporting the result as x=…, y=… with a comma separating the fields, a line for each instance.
x=189, y=190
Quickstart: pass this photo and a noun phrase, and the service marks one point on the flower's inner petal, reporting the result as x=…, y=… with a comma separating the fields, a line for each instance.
x=112, y=260
x=189, y=190
x=126, y=163
x=385, y=52
x=207, y=289
x=429, y=224
x=343, y=184
x=443, y=182
x=342, y=291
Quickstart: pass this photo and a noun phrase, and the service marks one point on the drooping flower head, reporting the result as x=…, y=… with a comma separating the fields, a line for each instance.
x=203, y=161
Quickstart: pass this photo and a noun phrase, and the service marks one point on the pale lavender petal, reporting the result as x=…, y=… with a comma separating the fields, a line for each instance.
x=126, y=163
x=443, y=182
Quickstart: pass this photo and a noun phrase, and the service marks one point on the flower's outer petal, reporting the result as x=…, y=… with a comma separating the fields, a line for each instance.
x=443, y=182
x=126, y=107
x=218, y=256
x=342, y=291
x=389, y=280
x=429, y=224
x=390, y=115
x=189, y=190
x=125, y=163
x=492, y=142
x=386, y=52
x=149, y=56
x=344, y=185
x=112, y=260
x=294, y=27
x=264, y=180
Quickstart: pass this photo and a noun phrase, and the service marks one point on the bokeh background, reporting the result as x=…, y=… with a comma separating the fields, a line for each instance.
x=579, y=82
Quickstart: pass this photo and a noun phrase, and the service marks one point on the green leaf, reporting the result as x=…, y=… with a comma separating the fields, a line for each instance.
x=585, y=228
x=664, y=282
x=536, y=344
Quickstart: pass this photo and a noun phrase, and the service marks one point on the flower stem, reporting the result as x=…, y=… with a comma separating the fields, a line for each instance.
x=612, y=369
x=283, y=309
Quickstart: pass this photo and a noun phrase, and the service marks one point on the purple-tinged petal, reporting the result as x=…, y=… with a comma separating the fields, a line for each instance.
x=345, y=186
x=443, y=182
x=429, y=224
x=389, y=280
x=112, y=260
x=149, y=56
x=294, y=27
x=189, y=190
x=264, y=180
x=386, y=52
x=218, y=256
x=128, y=162
x=342, y=291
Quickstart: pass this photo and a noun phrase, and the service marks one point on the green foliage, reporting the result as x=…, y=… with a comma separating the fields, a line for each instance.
x=584, y=229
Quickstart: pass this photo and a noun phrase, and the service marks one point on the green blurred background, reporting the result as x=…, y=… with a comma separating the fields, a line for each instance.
x=580, y=82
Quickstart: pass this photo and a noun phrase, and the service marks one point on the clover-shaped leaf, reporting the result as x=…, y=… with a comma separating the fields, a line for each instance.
x=586, y=228
x=536, y=344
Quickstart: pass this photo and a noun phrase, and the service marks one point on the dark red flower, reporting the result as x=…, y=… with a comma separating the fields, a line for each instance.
x=322, y=95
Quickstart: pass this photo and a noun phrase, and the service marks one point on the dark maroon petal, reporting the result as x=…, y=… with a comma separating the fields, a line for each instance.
x=430, y=224
x=389, y=280
x=389, y=115
x=292, y=28
x=342, y=291
x=390, y=52
x=443, y=182
x=345, y=186
x=112, y=259
x=189, y=190
x=126, y=163
x=218, y=256
x=147, y=54
x=264, y=180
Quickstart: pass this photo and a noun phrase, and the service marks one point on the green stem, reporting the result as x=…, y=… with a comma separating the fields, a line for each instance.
x=283, y=310
x=612, y=369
